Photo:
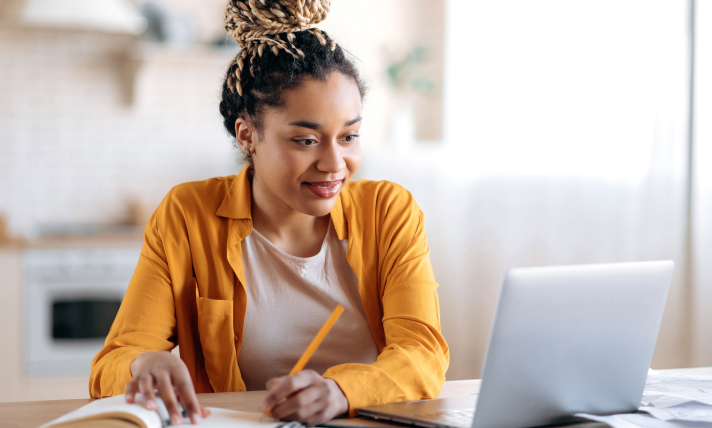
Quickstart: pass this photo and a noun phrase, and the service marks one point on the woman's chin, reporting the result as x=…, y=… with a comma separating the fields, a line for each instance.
x=318, y=208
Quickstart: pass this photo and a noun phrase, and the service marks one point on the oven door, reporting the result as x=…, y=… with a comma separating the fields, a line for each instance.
x=71, y=300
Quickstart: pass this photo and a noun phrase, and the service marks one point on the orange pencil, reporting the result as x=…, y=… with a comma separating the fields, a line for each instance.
x=304, y=359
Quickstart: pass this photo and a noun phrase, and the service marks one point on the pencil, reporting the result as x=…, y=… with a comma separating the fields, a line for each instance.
x=304, y=359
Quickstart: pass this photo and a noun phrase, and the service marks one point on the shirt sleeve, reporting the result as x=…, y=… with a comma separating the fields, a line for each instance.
x=413, y=363
x=145, y=322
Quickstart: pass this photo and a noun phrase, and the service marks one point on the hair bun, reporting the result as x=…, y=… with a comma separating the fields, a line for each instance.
x=249, y=19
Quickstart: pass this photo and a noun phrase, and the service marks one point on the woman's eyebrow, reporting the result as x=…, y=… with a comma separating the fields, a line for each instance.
x=306, y=124
x=317, y=126
x=352, y=121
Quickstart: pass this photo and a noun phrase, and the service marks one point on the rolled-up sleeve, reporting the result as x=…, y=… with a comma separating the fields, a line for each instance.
x=145, y=322
x=413, y=362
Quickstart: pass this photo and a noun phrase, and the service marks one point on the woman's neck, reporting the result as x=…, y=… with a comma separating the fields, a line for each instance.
x=291, y=231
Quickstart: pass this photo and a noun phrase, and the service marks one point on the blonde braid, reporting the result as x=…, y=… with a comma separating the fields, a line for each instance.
x=256, y=24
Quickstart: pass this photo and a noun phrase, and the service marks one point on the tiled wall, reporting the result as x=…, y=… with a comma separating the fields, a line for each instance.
x=91, y=122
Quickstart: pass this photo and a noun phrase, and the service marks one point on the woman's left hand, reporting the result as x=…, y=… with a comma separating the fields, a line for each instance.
x=305, y=397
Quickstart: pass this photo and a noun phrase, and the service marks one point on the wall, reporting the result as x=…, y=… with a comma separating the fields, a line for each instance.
x=79, y=141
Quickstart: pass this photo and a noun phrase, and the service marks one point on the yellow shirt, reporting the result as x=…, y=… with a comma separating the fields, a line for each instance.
x=188, y=290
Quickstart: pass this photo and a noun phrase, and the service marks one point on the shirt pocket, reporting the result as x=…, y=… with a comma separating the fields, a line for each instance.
x=215, y=327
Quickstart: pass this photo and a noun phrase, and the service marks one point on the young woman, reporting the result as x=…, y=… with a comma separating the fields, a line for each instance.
x=241, y=272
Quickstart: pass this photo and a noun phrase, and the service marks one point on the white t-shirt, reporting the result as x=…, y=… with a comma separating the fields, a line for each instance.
x=288, y=300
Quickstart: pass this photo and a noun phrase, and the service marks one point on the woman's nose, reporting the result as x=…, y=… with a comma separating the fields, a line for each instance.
x=331, y=158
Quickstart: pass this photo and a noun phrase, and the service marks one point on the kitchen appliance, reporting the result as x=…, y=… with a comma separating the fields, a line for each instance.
x=71, y=297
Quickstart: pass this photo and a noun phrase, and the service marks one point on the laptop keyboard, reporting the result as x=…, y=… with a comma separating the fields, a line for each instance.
x=456, y=417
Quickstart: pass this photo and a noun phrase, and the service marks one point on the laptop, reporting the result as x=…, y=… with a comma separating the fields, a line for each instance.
x=565, y=339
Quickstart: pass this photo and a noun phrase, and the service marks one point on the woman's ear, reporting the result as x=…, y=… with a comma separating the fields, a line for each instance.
x=244, y=135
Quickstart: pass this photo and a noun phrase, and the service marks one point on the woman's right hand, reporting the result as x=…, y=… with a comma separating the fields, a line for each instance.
x=167, y=373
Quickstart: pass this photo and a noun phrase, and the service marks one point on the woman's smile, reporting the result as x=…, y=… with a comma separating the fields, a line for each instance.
x=325, y=189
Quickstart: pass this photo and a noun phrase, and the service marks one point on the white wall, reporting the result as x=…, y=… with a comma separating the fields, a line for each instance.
x=74, y=150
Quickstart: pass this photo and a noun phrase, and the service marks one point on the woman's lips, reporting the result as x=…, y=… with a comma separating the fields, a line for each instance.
x=325, y=189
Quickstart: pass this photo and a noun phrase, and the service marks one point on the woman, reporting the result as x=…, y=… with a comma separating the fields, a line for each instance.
x=241, y=272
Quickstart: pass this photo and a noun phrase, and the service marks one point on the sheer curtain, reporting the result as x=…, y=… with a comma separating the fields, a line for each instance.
x=701, y=214
x=566, y=142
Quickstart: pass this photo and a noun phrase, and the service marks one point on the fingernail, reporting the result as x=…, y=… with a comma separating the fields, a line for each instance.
x=262, y=407
x=129, y=398
x=151, y=405
x=196, y=418
x=176, y=420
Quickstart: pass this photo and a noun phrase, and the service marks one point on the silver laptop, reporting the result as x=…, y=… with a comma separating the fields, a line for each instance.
x=565, y=339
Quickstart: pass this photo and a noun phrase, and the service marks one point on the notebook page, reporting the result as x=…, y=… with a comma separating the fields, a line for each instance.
x=111, y=405
x=219, y=418
x=224, y=418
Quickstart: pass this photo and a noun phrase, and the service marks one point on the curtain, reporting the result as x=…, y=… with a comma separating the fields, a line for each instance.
x=566, y=142
x=701, y=201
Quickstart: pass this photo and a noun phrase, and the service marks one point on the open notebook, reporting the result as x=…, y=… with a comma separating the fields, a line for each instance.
x=114, y=412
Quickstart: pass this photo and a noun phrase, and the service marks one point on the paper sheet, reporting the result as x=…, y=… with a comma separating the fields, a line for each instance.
x=224, y=418
x=691, y=411
x=637, y=420
x=672, y=400
x=669, y=390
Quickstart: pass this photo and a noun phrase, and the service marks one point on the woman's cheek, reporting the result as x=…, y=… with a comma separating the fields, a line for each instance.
x=353, y=160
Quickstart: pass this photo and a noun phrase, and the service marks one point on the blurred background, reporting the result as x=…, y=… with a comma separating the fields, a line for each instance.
x=530, y=132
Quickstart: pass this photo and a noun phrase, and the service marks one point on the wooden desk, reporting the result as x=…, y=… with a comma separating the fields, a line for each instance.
x=31, y=414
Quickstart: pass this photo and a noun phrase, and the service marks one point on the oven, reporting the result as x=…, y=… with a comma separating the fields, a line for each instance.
x=70, y=300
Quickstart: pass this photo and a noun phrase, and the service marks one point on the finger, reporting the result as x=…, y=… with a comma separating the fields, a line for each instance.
x=301, y=405
x=317, y=418
x=165, y=391
x=131, y=390
x=308, y=411
x=274, y=388
x=145, y=386
x=285, y=386
x=205, y=411
x=186, y=393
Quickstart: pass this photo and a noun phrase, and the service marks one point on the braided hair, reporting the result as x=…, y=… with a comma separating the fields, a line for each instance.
x=280, y=48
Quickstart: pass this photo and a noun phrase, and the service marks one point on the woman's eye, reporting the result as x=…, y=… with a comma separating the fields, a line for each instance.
x=350, y=138
x=306, y=141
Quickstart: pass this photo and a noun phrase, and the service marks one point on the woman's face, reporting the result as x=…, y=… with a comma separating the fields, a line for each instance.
x=308, y=148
